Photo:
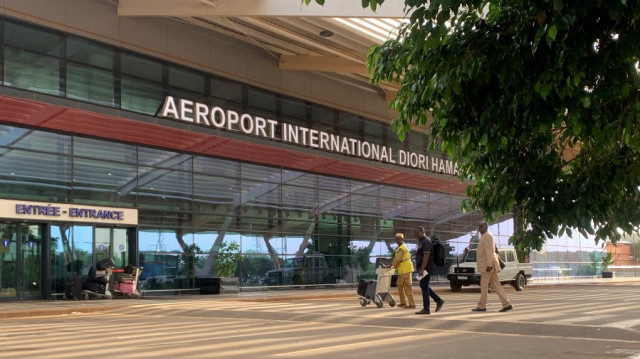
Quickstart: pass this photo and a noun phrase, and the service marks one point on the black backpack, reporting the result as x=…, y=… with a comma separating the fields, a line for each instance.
x=439, y=252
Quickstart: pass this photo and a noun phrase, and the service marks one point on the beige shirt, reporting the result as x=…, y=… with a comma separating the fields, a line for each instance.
x=486, y=253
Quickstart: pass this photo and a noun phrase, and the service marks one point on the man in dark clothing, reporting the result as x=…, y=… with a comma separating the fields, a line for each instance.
x=426, y=266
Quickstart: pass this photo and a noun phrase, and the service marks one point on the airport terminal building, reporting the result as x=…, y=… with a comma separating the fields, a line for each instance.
x=155, y=138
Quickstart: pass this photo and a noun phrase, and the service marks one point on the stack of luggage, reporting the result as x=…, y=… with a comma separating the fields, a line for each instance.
x=98, y=280
x=126, y=283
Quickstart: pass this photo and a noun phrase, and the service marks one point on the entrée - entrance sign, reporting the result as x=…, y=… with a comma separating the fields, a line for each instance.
x=216, y=117
x=67, y=212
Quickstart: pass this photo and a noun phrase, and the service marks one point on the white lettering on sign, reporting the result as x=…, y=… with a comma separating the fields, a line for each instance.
x=218, y=118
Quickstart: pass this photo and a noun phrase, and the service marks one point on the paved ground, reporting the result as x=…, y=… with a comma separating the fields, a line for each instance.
x=14, y=309
x=594, y=320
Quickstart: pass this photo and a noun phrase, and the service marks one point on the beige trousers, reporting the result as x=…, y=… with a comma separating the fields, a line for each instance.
x=485, y=279
x=404, y=288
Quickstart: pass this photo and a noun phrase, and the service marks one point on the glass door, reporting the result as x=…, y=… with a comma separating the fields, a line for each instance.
x=77, y=248
x=71, y=253
x=20, y=260
x=111, y=242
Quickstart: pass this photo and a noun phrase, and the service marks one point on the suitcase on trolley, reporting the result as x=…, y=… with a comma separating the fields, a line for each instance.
x=370, y=292
x=362, y=287
x=73, y=288
x=367, y=289
x=104, y=264
x=376, y=291
x=126, y=287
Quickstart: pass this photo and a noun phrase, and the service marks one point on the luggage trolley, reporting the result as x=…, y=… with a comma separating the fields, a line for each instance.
x=377, y=290
x=126, y=282
x=97, y=285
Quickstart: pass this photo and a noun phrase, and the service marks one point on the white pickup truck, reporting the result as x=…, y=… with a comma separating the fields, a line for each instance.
x=465, y=273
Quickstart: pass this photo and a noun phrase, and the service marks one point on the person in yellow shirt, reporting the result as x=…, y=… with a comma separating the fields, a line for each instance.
x=404, y=268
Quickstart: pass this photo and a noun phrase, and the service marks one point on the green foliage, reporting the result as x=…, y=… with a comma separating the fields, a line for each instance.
x=607, y=261
x=585, y=270
x=362, y=256
x=187, y=260
x=538, y=101
x=227, y=259
x=255, y=265
x=373, y=4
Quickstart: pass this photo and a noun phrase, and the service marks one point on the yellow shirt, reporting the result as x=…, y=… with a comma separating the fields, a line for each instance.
x=402, y=260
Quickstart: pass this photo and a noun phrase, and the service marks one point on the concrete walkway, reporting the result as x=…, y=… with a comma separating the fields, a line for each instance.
x=33, y=308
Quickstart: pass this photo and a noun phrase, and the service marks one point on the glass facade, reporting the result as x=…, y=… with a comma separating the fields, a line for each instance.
x=189, y=204
x=51, y=62
x=293, y=227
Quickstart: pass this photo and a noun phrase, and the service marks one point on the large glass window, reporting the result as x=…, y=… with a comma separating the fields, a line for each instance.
x=31, y=58
x=295, y=112
x=185, y=83
x=227, y=94
x=141, y=84
x=351, y=126
x=44, y=60
x=90, y=74
x=31, y=71
x=104, y=174
x=34, y=163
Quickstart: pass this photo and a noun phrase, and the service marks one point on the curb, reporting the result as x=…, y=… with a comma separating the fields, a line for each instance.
x=43, y=312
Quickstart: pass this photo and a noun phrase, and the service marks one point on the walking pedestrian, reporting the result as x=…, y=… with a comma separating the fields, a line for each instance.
x=426, y=266
x=404, y=268
x=487, y=264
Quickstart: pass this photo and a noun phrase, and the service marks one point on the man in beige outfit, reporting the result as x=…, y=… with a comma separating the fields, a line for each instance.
x=487, y=264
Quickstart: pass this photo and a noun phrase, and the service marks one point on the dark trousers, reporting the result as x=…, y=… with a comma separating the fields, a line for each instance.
x=428, y=292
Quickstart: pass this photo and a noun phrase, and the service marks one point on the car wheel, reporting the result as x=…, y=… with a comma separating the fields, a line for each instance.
x=455, y=286
x=519, y=282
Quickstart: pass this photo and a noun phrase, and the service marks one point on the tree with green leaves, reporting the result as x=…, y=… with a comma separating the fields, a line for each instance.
x=538, y=101
x=227, y=259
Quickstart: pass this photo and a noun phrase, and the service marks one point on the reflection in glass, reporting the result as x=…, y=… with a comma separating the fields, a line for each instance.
x=90, y=84
x=71, y=253
x=31, y=71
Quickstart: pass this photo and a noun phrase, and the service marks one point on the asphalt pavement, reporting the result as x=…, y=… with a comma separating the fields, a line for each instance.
x=42, y=307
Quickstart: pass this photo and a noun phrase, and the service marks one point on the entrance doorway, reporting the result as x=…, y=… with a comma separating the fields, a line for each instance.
x=76, y=248
x=21, y=260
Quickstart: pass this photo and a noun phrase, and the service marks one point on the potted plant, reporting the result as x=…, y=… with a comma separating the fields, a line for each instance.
x=226, y=263
x=606, y=262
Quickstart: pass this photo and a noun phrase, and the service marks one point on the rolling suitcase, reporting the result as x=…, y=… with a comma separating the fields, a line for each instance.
x=104, y=264
x=370, y=292
x=126, y=287
x=73, y=288
x=362, y=287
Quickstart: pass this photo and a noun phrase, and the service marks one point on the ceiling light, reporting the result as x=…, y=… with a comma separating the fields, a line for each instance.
x=326, y=33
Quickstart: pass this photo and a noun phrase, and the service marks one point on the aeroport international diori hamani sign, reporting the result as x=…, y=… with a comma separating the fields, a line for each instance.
x=216, y=117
